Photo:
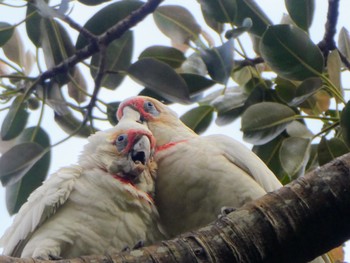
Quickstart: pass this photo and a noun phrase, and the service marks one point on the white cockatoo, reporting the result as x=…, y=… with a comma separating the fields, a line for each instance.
x=102, y=205
x=197, y=175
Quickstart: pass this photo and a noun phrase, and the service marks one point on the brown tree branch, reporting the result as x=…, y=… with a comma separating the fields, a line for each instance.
x=296, y=223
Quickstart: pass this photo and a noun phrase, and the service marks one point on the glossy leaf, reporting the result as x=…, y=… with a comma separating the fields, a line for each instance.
x=194, y=64
x=344, y=42
x=219, y=61
x=264, y=121
x=17, y=193
x=150, y=93
x=301, y=11
x=236, y=32
x=334, y=65
x=161, y=78
x=211, y=22
x=56, y=45
x=118, y=58
x=77, y=86
x=298, y=129
x=107, y=17
x=290, y=53
x=171, y=56
x=305, y=90
x=222, y=11
x=294, y=155
x=53, y=97
x=269, y=153
x=15, y=120
x=328, y=150
x=196, y=83
x=285, y=89
x=249, y=8
x=112, y=108
x=345, y=123
x=14, y=48
x=6, y=31
x=177, y=23
x=17, y=161
x=198, y=119
x=70, y=124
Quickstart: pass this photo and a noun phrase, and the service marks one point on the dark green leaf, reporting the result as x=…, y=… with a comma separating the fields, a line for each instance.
x=211, y=22
x=294, y=155
x=219, y=61
x=301, y=11
x=249, y=8
x=298, y=129
x=106, y=18
x=33, y=24
x=171, y=56
x=161, y=78
x=92, y=2
x=285, y=89
x=118, y=58
x=56, y=45
x=6, y=31
x=196, y=83
x=236, y=32
x=269, y=153
x=150, y=93
x=177, y=23
x=17, y=193
x=290, y=53
x=222, y=11
x=198, y=119
x=345, y=123
x=264, y=121
x=328, y=150
x=112, y=108
x=305, y=90
x=15, y=120
x=17, y=161
x=70, y=124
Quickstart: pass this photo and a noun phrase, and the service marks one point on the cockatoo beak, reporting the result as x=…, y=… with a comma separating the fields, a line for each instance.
x=132, y=114
x=141, y=151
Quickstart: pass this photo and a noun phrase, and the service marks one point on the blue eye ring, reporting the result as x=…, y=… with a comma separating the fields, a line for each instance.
x=121, y=142
x=150, y=108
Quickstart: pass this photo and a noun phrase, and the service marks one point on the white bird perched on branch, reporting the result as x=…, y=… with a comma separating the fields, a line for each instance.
x=103, y=204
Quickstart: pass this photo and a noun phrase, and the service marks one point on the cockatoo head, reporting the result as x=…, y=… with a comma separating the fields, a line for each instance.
x=124, y=152
x=162, y=121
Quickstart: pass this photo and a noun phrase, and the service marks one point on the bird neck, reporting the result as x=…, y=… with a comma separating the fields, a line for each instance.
x=171, y=132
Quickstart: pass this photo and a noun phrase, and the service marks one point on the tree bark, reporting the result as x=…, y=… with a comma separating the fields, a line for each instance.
x=296, y=223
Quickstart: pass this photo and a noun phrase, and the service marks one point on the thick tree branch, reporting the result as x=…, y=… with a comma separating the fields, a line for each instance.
x=300, y=221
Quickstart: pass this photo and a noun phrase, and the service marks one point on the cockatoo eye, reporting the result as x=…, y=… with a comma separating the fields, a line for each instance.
x=121, y=142
x=150, y=108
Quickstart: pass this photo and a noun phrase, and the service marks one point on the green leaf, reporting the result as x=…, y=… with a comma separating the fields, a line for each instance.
x=211, y=22
x=301, y=11
x=222, y=11
x=57, y=46
x=112, y=108
x=18, y=193
x=161, y=78
x=15, y=120
x=118, y=58
x=345, y=123
x=294, y=155
x=70, y=124
x=107, y=17
x=33, y=24
x=298, y=129
x=328, y=150
x=305, y=90
x=196, y=83
x=93, y=2
x=150, y=93
x=290, y=53
x=219, y=61
x=6, y=31
x=171, y=56
x=269, y=153
x=249, y=8
x=334, y=66
x=264, y=121
x=17, y=161
x=344, y=42
x=198, y=119
x=177, y=23
x=285, y=89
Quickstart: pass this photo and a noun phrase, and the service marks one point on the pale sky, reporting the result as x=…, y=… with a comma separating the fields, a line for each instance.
x=146, y=35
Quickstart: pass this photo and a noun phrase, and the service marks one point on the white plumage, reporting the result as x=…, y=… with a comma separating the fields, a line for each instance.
x=101, y=205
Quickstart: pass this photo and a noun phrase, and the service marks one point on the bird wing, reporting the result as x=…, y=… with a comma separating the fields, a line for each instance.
x=245, y=159
x=41, y=205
